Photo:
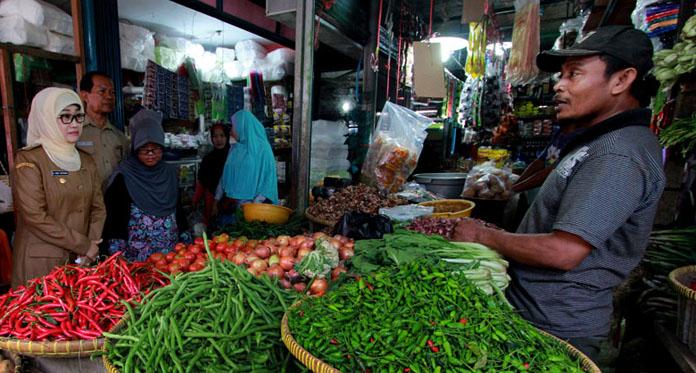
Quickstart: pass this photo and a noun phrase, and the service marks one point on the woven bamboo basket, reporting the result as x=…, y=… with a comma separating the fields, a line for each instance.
x=450, y=208
x=318, y=366
x=681, y=279
x=50, y=349
x=315, y=219
x=15, y=359
x=110, y=368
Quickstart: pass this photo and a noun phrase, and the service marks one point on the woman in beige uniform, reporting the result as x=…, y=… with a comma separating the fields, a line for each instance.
x=57, y=194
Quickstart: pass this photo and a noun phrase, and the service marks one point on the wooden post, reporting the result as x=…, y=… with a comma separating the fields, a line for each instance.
x=302, y=106
x=79, y=44
x=8, y=110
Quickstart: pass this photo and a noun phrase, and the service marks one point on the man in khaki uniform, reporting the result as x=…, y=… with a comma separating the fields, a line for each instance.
x=107, y=145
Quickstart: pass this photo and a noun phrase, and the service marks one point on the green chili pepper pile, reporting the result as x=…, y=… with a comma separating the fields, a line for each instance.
x=221, y=318
x=420, y=317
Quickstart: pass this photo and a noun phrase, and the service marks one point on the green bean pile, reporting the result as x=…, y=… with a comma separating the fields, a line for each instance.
x=219, y=319
x=420, y=317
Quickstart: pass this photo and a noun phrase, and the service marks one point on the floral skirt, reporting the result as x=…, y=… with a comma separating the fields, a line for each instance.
x=147, y=234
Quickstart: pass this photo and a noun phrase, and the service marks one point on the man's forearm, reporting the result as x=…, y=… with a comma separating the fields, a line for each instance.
x=558, y=250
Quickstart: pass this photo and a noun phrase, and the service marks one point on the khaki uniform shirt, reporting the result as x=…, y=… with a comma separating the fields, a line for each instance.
x=58, y=212
x=108, y=146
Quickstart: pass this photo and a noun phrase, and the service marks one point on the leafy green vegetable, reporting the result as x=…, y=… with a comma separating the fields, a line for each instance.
x=682, y=133
x=258, y=230
x=318, y=263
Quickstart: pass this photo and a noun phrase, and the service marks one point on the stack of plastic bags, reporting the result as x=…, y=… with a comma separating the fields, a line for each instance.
x=329, y=154
x=37, y=24
x=137, y=46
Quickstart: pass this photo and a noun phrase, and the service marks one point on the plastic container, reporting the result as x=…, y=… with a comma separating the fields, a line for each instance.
x=272, y=214
x=446, y=184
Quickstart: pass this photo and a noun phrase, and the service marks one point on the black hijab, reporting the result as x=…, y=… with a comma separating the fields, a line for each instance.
x=213, y=163
x=153, y=189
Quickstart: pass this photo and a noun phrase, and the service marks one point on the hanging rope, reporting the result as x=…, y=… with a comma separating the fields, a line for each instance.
x=430, y=26
x=374, y=59
x=398, y=58
x=325, y=4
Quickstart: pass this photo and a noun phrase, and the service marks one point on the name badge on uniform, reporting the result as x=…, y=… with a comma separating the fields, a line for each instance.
x=59, y=173
x=85, y=143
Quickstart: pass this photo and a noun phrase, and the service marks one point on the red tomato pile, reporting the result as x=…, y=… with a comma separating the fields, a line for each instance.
x=275, y=257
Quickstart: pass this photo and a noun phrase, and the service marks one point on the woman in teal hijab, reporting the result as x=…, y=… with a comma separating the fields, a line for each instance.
x=250, y=173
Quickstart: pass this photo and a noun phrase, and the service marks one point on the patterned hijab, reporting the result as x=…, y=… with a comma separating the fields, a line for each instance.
x=43, y=127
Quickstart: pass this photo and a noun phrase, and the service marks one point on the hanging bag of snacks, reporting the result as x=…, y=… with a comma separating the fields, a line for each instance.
x=525, y=42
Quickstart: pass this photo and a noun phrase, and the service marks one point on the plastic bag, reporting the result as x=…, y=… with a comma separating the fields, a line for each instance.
x=570, y=31
x=407, y=212
x=137, y=46
x=395, y=148
x=525, y=42
x=60, y=43
x=360, y=225
x=249, y=50
x=489, y=182
x=39, y=13
x=16, y=30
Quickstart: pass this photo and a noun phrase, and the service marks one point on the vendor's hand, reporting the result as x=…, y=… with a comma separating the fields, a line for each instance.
x=467, y=231
x=91, y=254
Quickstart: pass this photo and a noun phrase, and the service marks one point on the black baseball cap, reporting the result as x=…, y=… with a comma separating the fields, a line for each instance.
x=623, y=42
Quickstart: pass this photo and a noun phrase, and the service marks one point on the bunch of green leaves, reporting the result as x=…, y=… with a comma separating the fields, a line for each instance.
x=681, y=133
x=259, y=230
x=394, y=249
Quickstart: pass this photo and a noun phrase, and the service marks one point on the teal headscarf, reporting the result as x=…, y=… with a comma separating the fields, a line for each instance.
x=250, y=166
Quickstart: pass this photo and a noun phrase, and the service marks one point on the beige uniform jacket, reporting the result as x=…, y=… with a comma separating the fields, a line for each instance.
x=108, y=147
x=58, y=212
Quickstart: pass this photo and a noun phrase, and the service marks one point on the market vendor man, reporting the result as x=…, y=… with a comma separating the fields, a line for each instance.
x=106, y=143
x=589, y=226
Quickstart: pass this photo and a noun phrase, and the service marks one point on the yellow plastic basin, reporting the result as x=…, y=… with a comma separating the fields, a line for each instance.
x=451, y=208
x=272, y=214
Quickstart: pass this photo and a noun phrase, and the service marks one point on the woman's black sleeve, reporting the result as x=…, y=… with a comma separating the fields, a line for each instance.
x=181, y=221
x=118, y=204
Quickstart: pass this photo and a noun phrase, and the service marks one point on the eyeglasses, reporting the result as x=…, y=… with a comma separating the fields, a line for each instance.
x=68, y=118
x=154, y=151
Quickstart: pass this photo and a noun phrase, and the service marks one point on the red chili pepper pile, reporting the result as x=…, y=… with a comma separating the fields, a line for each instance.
x=74, y=303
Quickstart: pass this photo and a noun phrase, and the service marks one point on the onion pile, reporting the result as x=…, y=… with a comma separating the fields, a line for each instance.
x=353, y=198
x=442, y=226
x=277, y=257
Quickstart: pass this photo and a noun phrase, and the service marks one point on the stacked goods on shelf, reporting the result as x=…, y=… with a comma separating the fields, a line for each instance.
x=167, y=93
x=234, y=99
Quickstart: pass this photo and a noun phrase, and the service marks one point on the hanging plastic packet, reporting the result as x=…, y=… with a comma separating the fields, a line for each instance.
x=525, y=42
x=476, y=57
